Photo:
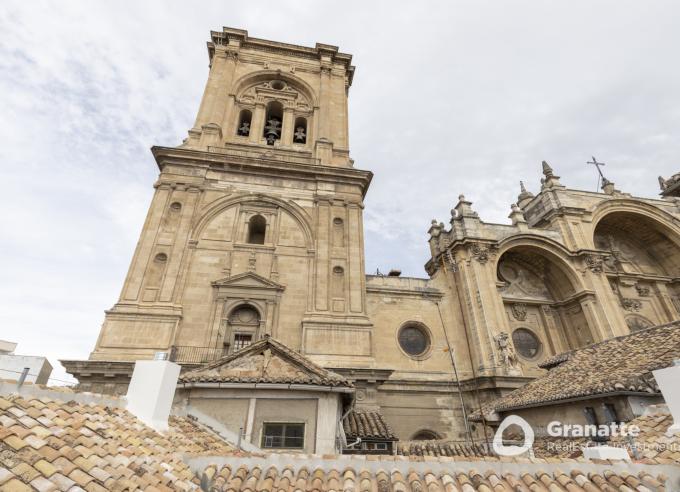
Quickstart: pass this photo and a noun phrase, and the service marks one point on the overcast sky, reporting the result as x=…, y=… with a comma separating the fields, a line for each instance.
x=449, y=98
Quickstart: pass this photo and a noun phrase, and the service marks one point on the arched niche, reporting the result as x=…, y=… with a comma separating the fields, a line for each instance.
x=642, y=264
x=637, y=244
x=542, y=292
x=221, y=220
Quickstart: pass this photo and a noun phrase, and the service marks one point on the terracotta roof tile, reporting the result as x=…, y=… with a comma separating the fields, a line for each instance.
x=271, y=478
x=72, y=446
x=618, y=365
x=367, y=424
x=265, y=361
x=653, y=443
x=442, y=448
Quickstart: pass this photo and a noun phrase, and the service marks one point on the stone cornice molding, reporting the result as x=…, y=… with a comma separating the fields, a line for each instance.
x=260, y=165
x=239, y=39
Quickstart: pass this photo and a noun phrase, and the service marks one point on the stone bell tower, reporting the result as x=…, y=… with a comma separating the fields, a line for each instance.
x=255, y=226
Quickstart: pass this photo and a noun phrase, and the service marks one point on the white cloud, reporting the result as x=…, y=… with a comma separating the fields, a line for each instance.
x=449, y=98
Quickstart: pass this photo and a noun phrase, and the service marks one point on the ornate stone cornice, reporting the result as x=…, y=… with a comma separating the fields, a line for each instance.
x=260, y=164
x=238, y=39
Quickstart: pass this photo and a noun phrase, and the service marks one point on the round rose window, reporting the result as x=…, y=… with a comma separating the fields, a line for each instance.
x=414, y=340
x=526, y=343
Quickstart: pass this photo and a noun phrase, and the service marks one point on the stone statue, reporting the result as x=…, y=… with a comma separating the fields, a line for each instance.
x=508, y=356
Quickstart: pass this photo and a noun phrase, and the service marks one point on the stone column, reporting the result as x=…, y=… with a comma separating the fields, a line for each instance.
x=224, y=103
x=613, y=322
x=323, y=210
x=588, y=305
x=188, y=200
x=142, y=255
x=206, y=110
x=664, y=297
x=324, y=99
x=355, y=252
x=287, y=130
x=483, y=307
x=257, y=123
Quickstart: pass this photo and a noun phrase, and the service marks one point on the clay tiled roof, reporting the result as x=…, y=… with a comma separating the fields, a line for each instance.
x=367, y=425
x=617, y=365
x=442, y=448
x=653, y=445
x=265, y=361
x=50, y=445
x=385, y=479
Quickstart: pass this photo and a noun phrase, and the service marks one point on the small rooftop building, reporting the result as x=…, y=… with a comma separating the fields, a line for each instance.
x=272, y=396
x=13, y=365
x=609, y=381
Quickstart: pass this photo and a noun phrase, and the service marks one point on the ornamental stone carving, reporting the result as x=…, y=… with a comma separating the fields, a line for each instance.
x=519, y=311
x=630, y=304
x=642, y=290
x=595, y=263
x=482, y=253
x=508, y=356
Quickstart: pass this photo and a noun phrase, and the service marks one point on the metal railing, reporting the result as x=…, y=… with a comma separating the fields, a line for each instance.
x=184, y=354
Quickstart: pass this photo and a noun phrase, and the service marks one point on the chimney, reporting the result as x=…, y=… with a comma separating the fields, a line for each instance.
x=667, y=379
x=151, y=391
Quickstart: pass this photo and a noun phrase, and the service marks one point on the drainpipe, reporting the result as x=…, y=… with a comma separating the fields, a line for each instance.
x=455, y=373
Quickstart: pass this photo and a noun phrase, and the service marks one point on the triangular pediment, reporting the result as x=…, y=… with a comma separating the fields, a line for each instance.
x=265, y=361
x=248, y=280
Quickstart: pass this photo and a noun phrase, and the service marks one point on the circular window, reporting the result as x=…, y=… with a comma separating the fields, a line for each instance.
x=278, y=85
x=414, y=340
x=337, y=221
x=526, y=343
x=161, y=258
x=338, y=270
x=176, y=206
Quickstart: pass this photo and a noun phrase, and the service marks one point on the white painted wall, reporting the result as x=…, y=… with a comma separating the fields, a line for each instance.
x=7, y=347
x=151, y=391
x=668, y=380
x=39, y=368
x=327, y=423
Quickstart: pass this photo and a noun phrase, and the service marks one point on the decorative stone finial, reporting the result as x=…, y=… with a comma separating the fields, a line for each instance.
x=670, y=188
x=516, y=215
x=608, y=186
x=547, y=170
x=463, y=209
x=524, y=196
x=435, y=228
x=551, y=179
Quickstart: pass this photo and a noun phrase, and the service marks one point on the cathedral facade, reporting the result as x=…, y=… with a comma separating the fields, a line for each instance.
x=255, y=228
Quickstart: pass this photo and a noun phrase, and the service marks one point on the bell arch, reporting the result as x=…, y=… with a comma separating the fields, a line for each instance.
x=543, y=294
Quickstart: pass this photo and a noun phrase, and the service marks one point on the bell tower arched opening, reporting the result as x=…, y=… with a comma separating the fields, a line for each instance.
x=273, y=122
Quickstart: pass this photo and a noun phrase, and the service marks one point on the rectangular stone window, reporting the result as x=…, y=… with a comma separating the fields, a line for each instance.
x=283, y=435
x=241, y=341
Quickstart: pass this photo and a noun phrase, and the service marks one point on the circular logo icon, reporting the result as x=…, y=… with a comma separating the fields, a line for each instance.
x=501, y=449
